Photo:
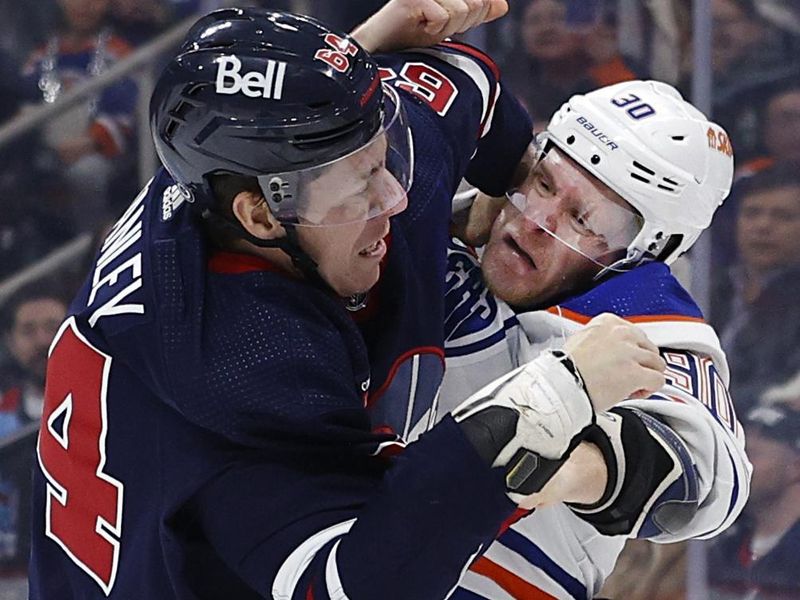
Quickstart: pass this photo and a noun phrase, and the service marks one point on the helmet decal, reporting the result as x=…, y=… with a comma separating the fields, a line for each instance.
x=268, y=85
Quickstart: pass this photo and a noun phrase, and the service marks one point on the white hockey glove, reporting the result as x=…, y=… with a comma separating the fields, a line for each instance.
x=529, y=421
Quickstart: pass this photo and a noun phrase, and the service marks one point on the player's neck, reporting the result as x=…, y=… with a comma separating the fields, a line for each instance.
x=274, y=256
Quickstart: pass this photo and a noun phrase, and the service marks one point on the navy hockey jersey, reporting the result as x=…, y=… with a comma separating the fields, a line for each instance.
x=206, y=431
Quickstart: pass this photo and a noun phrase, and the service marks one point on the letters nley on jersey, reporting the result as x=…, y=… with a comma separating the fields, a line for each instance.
x=267, y=85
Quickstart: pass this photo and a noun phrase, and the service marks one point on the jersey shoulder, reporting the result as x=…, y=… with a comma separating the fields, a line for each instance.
x=649, y=292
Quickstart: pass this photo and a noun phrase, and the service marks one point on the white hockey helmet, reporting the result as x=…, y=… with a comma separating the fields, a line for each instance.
x=657, y=151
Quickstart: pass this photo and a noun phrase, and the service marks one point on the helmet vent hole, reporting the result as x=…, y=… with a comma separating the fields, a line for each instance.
x=571, y=140
x=665, y=188
x=678, y=138
x=180, y=111
x=191, y=90
x=169, y=130
x=640, y=178
x=641, y=167
x=669, y=181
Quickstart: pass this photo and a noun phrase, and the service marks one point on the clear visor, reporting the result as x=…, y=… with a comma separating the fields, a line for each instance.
x=569, y=205
x=354, y=188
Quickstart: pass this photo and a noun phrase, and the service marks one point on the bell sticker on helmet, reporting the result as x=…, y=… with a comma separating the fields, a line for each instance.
x=268, y=85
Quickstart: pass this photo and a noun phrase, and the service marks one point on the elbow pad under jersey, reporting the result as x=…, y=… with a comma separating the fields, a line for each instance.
x=652, y=486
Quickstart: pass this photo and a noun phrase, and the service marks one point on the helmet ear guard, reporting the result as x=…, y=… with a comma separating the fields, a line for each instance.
x=658, y=152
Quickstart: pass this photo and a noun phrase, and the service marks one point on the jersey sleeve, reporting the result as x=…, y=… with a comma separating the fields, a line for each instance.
x=693, y=424
x=460, y=87
x=314, y=521
x=306, y=506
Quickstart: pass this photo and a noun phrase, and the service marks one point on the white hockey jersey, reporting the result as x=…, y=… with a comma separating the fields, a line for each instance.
x=553, y=553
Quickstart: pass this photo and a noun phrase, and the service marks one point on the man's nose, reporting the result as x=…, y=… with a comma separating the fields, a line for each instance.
x=545, y=217
x=762, y=223
x=386, y=200
x=43, y=337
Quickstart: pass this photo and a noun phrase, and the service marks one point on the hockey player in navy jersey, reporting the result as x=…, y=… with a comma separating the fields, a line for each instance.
x=628, y=178
x=256, y=338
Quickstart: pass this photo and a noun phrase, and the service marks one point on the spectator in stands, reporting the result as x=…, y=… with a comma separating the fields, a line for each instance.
x=137, y=21
x=749, y=57
x=24, y=26
x=568, y=47
x=92, y=139
x=31, y=317
x=780, y=128
x=26, y=173
x=755, y=305
x=759, y=556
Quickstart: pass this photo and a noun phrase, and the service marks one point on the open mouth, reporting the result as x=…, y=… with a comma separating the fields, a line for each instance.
x=376, y=249
x=373, y=249
x=517, y=249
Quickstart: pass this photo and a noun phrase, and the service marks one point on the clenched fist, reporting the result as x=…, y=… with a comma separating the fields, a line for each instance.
x=404, y=24
x=616, y=361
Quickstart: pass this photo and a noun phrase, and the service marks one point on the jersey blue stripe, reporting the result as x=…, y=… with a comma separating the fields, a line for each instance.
x=525, y=547
x=497, y=337
x=482, y=344
x=734, y=495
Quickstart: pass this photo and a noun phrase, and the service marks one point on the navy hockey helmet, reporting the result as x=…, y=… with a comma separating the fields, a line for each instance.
x=279, y=97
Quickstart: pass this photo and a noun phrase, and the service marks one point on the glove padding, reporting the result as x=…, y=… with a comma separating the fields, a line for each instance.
x=529, y=421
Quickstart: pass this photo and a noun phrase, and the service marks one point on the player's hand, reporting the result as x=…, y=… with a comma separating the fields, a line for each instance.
x=616, y=361
x=402, y=24
x=473, y=225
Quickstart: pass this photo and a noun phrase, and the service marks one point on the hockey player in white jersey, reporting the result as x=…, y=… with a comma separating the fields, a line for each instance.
x=628, y=178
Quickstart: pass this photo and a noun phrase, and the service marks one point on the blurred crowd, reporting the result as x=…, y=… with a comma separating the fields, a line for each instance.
x=73, y=174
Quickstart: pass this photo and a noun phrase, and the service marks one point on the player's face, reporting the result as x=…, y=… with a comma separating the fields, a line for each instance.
x=768, y=228
x=84, y=16
x=545, y=32
x=783, y=125
x=734, y=34
x=349, y=255
x=559, y=231
x=36, y=324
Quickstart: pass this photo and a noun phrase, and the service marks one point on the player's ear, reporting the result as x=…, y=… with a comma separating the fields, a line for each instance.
x=251, y=210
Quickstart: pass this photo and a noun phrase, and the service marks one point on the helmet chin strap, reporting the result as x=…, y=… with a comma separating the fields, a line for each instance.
x=289, y=244
x=307, y=265
x=292, y=248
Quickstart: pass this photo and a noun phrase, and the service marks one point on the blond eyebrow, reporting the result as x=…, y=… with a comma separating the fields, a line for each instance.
x=543, y=165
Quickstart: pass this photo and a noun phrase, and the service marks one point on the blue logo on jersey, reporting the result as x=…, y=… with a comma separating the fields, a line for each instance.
x=469, y=307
